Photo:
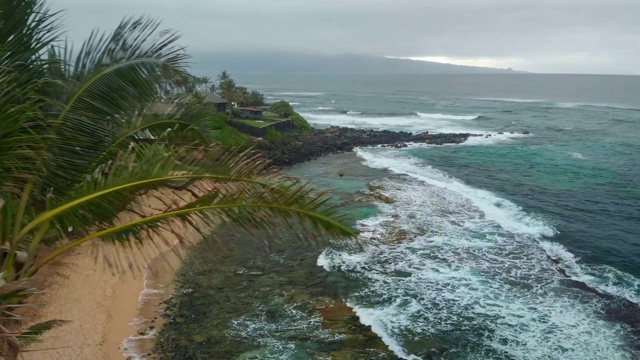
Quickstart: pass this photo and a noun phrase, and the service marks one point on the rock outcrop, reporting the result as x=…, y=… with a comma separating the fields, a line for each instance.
x=299, y=148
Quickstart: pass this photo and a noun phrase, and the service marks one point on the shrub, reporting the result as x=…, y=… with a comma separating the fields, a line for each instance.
x=282, y=108
x=273, y=135
x=226, y=135
x=299, y=123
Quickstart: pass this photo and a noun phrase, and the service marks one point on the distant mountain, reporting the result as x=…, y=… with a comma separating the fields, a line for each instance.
x=288, y=63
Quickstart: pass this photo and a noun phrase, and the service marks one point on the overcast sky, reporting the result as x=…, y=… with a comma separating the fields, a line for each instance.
x=558, y=36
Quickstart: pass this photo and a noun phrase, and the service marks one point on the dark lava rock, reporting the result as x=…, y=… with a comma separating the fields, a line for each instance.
x=299, y=148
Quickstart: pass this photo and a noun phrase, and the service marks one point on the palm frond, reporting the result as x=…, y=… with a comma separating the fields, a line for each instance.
x=142, y=168
x=248, y=216
x=27, y=29
x=34, y=333
x=109, y=83
x=14, y=296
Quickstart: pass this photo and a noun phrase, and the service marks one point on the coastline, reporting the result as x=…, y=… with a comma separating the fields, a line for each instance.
x=146, y=320
x=117, y=315
x=110, y=295
x=106, y=309
x=241, y=300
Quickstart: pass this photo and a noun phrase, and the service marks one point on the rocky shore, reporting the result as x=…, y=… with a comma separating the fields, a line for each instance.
x=299, y=148
x=294, y=309
x=238, y=300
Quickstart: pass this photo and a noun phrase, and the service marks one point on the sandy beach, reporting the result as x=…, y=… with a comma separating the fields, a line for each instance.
x=105, y=303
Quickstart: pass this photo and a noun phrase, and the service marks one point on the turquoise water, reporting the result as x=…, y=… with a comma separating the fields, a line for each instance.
x=482, y=220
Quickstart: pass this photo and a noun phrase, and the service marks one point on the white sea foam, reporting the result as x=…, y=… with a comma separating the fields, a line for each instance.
x=277, y=339
x=325, y=108
x=510, y=216
x=137, y=345
x=493, y=138
x=351, y=112
x=578, y=104
x=577, y=155
x=516, y=100
x=379, y=325
x=470, y=267
x=447, y=117
x=601, y=277
x=303, y=94
x=411, y=123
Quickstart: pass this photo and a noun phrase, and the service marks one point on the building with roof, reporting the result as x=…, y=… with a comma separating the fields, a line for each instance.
x=221, y=105
x=250, y=112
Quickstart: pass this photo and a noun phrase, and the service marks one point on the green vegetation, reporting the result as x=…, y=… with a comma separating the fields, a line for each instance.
x=227, y=135
x=78, y=148
x=272, y=117
x=284, y=109
x=256, y=123
x=273, y=135
x=299, y=123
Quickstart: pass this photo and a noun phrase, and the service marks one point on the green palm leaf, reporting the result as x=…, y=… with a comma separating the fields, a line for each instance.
x=82, y=145
x=27, y=30
x=109, y=83
x=34, y=333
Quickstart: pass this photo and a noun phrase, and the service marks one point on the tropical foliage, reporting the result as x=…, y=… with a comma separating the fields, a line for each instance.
x=79, y=149
x=284, y=109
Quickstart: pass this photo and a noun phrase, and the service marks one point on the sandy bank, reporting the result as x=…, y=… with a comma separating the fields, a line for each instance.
x=90, y=288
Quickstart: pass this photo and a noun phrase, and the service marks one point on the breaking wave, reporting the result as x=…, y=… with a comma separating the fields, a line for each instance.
x=448, y=266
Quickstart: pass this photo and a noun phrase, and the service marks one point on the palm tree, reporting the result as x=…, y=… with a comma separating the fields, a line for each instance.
x=205, y=80
x=78, y=148
x=242, y=96
x=224, y=75
x=228, y=90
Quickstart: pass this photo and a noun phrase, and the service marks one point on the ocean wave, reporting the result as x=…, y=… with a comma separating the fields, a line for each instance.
x=302, y=94
x=600, y=277
x=351, y=112
x=447, y=117
x=516, y=100
x=609, y=106
x=277, y=339
x=510, y=216
x=467, y=265
x=400, y=122
x=369, y=317
x=491, y=138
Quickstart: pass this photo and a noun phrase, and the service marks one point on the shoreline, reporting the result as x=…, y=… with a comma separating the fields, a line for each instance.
x=157, y=286
x=106, y=310
x=242, y=301
x=338, y=139
x=103, y=289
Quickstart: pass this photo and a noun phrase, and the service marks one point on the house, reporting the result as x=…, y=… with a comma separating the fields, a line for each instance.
x=250, y=112
x=219, y=103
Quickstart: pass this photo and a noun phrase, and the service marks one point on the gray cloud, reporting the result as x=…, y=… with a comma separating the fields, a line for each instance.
x=542, y=35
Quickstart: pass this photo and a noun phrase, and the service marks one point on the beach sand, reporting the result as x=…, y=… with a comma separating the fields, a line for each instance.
x=104, y=307
x=89, y=287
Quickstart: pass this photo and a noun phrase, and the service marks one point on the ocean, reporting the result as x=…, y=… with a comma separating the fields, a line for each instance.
x=521, y=243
